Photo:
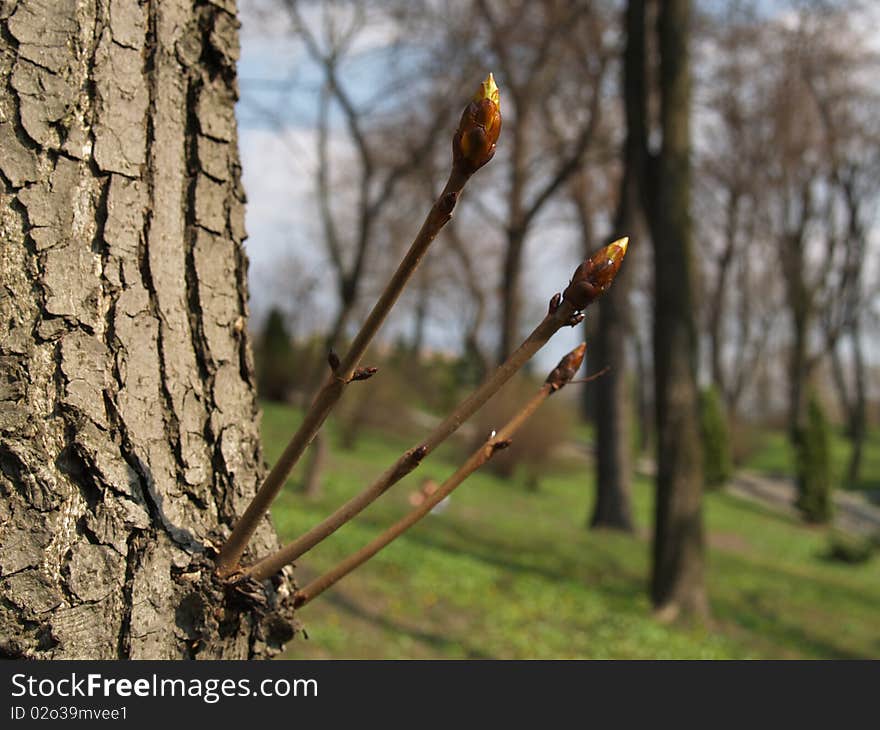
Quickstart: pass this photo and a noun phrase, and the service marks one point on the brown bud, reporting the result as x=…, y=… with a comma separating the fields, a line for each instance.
x=567, y=367
x=593, y=277
x=333, y=360
x=364, y=373
x=555, y=301
x=474, y=142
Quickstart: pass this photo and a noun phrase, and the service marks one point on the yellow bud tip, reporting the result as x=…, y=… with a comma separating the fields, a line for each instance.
x=488, y=90
x=621, y=245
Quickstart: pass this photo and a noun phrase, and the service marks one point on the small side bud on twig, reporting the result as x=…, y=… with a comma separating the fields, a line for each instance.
x=501, y=445
x=333, y=360
x=555, y=301
x=447, y=203
x=364, y=373
x=576, y=319
x=593, y=277
x=474, y=142
x=568, y=366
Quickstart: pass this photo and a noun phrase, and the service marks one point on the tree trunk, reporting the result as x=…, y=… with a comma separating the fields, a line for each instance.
x=613, y=406
x=510, y=294
x=128, y=424
x=613, y=508
x=677, y=585
x=798, y=360
x=517, y=229
x=643, y=393
x=420, y=323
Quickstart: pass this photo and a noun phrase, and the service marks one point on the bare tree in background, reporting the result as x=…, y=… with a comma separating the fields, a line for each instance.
x=537, y=48
x=350, y=235
x=817, y=187
x=733, y=227
x=848, y=109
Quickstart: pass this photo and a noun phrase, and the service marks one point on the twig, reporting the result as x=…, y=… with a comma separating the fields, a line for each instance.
x=557, y=379
x=590, y=280
x=473, y=146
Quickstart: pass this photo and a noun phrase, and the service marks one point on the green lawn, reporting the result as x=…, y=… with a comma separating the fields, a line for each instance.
x=508, y=573
x=773, y=457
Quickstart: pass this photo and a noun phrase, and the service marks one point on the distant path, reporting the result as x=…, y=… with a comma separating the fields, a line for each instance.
x=852, y=510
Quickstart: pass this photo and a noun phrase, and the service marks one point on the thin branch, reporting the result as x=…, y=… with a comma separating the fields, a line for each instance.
x=333, y=388
x=496, y=442
x=411, y=458
x=331, y=236
x=590, y=280
x=480, y=125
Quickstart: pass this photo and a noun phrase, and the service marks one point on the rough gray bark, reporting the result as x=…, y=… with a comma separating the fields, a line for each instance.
x=128, y=425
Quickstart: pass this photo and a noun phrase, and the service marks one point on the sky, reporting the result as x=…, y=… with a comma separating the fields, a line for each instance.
x=276, y=117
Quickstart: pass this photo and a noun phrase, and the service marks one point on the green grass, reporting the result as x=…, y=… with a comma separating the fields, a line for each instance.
x=507, y=573
x=773, y=457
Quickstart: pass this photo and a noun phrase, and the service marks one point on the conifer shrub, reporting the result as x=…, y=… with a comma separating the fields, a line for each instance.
x=717, y=461
x=814, y=467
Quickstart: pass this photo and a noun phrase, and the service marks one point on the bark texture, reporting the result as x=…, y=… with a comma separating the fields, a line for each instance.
x=128, y=427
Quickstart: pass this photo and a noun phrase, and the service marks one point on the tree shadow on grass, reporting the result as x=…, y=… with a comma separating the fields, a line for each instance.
x=348, y=605
x=752, y=611
x=766, y=621
x=610, y=576
x=606, y=573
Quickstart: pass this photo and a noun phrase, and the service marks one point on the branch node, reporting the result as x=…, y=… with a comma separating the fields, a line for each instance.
x=555, y=301
x=576, y=319
x=447, y=203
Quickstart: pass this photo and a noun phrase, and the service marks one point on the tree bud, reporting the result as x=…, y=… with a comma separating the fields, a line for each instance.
x=567, y=367
x=474, y=142
x=593, y=277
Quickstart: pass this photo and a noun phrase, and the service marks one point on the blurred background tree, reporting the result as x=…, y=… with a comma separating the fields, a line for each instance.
x=276, y=371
